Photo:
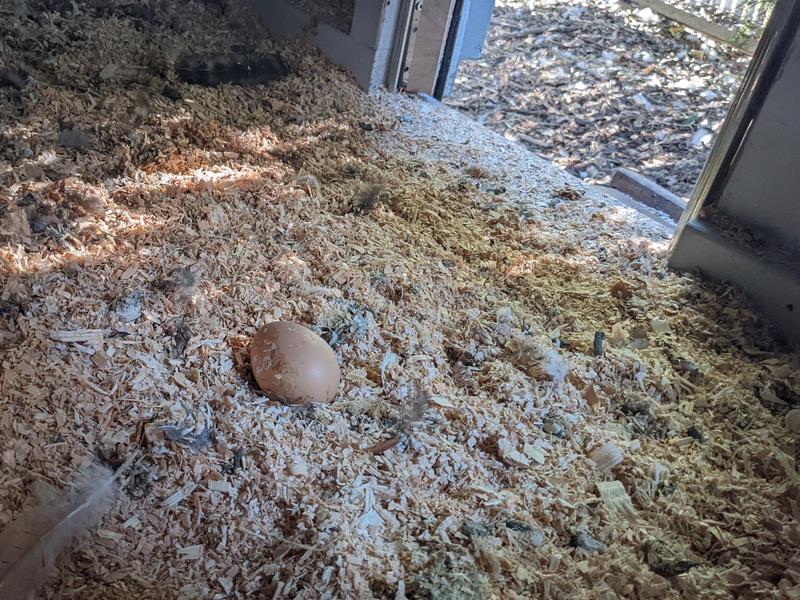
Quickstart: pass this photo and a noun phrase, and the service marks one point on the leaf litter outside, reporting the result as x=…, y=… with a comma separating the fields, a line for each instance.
x=594, y=85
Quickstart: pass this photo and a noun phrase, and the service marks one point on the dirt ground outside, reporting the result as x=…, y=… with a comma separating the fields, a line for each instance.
x=593, y=85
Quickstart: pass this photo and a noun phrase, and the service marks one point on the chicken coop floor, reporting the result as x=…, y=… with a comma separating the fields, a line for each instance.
x=572, y=420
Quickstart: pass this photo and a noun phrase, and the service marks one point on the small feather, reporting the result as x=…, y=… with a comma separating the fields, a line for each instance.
x=31, y=544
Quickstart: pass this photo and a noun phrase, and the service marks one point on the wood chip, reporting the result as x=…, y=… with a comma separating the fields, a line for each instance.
x=616, y=500
x=607, y=456
x=91, y=336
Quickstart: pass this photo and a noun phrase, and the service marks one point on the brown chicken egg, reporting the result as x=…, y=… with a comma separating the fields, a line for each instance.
x=293, y=364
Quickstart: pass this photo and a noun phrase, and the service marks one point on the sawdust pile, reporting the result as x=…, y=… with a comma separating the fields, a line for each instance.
x=532, y=407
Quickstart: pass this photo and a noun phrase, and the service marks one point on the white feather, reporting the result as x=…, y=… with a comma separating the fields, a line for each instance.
x=32, y=543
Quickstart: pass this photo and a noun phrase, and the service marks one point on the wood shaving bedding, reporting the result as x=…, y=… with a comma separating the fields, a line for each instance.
x=438, y=287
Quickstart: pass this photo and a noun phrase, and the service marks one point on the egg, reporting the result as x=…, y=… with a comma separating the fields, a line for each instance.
x=293, y=364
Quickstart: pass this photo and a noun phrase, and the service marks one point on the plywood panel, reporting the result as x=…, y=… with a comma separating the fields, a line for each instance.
x=429, y=44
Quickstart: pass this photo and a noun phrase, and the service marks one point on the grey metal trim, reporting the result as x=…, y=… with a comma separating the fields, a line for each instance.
x=771, y=280
x=764, y=67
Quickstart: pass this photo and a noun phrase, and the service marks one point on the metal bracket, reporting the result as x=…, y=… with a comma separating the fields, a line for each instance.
x=403, y=47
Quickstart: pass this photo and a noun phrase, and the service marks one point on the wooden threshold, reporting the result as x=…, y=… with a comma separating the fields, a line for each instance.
x=701, y=25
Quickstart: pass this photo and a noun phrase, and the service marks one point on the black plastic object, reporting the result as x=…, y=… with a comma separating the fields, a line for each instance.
x=236, y=69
